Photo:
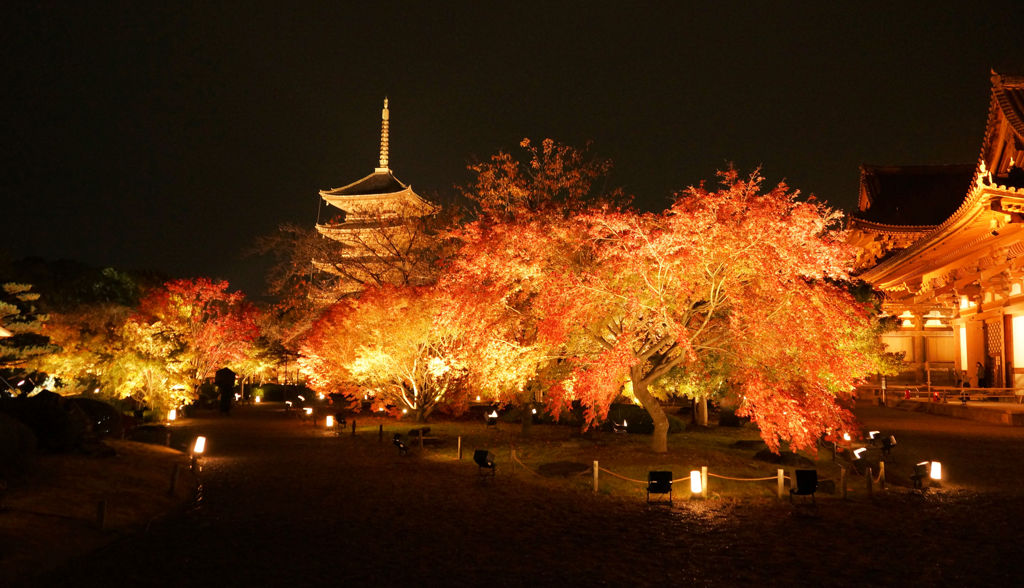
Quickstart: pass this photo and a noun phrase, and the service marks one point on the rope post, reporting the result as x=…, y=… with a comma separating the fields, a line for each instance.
x=781, y=476
x=353, y=427
x=167, y=439
x=380, y=433
x=842, y=479
x=421, y=438
x=703, y=481
x=174, y=479
x=595, y=476
x=460, y=447
x=512, y=458
x=881, y=475
x=869, y=481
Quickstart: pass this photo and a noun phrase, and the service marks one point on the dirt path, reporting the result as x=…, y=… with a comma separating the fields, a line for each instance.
x=284, y=505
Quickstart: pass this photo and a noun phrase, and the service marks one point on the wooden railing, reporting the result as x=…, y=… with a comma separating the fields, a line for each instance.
x=942, y=393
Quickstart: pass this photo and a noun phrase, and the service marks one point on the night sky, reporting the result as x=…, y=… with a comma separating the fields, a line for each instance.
x=166, y=135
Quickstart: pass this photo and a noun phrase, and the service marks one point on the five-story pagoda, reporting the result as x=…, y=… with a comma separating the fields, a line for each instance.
x=379, y=223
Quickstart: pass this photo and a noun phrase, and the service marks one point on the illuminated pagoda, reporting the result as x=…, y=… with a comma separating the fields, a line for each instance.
x=945, y=244
x=378, y=221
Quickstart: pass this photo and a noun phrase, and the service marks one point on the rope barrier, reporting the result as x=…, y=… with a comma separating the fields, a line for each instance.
x=686, y=478
x=611, y=473
x=710, y=475
x=525, y=467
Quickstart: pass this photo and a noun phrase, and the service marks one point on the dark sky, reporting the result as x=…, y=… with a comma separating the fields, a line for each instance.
x=166, y=135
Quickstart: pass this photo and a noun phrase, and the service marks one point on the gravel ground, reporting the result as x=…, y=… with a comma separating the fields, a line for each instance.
x=284, y=505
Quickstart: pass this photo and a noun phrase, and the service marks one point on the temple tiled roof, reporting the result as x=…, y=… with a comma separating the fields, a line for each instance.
x=379, y=182
x=912, y=195
x=1008, y=92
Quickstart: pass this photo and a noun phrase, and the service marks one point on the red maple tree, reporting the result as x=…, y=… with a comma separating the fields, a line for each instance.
x=736, y=285
x=210, y=327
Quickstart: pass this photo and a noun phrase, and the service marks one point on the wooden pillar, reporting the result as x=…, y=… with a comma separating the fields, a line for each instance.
x=781, y=475
x=704, y=481
x=174, y=479
x=595, y=476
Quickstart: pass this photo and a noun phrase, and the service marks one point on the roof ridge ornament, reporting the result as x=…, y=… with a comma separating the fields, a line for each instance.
x=384, y=124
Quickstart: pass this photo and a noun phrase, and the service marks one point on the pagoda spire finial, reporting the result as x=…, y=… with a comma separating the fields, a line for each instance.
x=384, y=116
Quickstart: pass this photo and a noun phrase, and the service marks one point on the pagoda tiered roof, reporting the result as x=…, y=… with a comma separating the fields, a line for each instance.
x=378, y=194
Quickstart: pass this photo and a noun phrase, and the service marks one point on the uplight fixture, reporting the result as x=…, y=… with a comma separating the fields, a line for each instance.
x=695, y=485
x=199, y=446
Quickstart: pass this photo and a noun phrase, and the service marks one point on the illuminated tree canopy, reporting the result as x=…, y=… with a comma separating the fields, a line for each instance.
x=392, y=344
x=736, y=284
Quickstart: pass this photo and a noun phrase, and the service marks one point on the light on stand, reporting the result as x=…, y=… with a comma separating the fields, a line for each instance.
x=329, y=421
x=695, y=485
x=935, y=472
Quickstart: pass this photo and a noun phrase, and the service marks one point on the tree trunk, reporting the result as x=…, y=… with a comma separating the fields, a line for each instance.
x=527, y=419
x=659, y=440
x=422, y=413
x=700, y=415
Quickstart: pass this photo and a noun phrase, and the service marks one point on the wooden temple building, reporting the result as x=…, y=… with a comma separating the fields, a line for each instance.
x=945, y=244
x=378, y=223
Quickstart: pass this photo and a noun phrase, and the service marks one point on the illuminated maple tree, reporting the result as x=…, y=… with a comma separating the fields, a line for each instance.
x=205, y=326
x=393, y=345
x=735, y=284
x=504, y=254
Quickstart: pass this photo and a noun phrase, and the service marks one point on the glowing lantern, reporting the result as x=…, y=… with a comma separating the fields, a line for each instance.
x=625, y=423
x=935, y=472
x=96, y=391
x=493, y=415
x=289, y=403
x=172, y=414
x=200, y=445
x=695, y=486
x=329, y=421
x=405, y=411
x=533, y=410
x=258, y=399
x=309, y=411
x=478, y=398
x=846, y=436
x=320, y=395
